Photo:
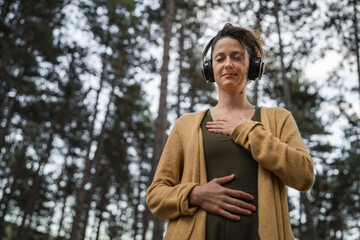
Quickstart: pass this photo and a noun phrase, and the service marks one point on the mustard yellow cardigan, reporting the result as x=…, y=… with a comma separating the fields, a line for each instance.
x=275, y=144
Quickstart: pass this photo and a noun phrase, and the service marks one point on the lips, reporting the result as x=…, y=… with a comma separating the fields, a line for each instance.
x=229, y=74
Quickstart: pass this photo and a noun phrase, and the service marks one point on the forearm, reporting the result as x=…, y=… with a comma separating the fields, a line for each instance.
x=286, y=156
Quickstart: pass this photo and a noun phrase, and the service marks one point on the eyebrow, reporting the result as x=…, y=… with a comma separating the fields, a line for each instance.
x=234, y=52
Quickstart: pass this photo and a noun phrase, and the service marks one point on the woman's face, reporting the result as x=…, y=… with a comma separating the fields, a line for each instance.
x=230, y=65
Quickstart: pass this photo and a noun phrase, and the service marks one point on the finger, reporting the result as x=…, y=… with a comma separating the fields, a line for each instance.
x=213, y=125
x=237, y=209
x=215, y=130
x=228, y=215
x=240, y=194
x=244, y=206
x=239, y=206
x=220, y=121
x=223, y=180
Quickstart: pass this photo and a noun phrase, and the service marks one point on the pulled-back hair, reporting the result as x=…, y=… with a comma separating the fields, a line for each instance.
x=244, y=36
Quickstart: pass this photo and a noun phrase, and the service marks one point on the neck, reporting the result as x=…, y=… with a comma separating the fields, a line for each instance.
x=233, y=102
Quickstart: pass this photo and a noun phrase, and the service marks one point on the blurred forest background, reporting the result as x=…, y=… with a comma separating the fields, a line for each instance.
x=90, y=88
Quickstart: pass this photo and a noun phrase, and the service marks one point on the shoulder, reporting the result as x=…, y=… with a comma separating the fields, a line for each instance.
x=191, y=118
x=276, y=110
x=279, y=121
x=188, y=124
x=277, y=117
x=276, y=113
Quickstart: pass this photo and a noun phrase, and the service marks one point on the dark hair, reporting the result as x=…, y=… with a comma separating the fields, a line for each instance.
x=244, y=36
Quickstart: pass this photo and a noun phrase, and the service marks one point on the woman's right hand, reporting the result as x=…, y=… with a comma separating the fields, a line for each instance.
x=226, y=202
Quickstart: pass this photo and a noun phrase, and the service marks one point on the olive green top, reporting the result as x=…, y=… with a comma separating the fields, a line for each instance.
x=224, y=157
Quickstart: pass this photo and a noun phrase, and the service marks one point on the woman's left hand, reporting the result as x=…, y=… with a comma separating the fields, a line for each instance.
x=224, y=126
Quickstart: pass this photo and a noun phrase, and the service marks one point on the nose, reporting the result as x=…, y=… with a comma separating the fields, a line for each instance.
x=228, y=63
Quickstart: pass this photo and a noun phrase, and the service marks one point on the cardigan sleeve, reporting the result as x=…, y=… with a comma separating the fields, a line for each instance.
x=167, y=197
x=285, y=155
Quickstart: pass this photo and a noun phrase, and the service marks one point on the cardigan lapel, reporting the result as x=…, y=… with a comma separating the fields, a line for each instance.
x=203, y=175
x=196, y=156
x=268, y=226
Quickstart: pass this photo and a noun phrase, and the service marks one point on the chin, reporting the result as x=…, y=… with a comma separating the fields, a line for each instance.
x=231, y=82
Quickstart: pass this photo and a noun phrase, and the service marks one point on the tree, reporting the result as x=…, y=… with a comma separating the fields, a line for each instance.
x=117, y=28
x=191, y=89
x=31, y=54
x=342, y=18
x=161, y=121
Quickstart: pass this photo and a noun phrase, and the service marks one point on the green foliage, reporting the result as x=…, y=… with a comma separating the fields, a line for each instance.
x=191, y=92
x=48, y=90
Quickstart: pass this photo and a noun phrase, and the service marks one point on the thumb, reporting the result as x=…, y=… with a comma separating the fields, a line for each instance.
x=225, y=179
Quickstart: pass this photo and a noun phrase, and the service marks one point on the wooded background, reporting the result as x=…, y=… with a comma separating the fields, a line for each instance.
x=83, y=120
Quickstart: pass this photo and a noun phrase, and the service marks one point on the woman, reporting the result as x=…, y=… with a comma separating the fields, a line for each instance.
x=223, y=171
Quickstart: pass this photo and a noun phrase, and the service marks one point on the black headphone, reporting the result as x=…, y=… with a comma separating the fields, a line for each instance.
x=256, y=66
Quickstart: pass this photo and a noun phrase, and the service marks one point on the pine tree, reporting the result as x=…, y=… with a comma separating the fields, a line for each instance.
x=192, y=93
x=120, y=35
x=342, y=18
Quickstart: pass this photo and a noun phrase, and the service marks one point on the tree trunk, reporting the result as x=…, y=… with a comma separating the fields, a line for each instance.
x=5, y=9
x=86, y=172
x=62, y=217
x=34, y=195
x=101, y=209
x=161, y=121
x=285, y=83
x=288, y=103
x=135, y=205
x=258, y=15
x=96, y=160
x=357, y=40
x=4, y=131
x=145, y=222
x=309, y=219
x=181, y=59
x=64, y=197
x=11, y=185
x=300, y=223
x=99, y=225
x=49, y=222
x=56, y=197
x=192, y=98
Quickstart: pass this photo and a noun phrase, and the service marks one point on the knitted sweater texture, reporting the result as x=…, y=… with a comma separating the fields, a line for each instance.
x=275, y=144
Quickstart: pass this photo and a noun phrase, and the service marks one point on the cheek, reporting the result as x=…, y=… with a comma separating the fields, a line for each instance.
x=216, y=69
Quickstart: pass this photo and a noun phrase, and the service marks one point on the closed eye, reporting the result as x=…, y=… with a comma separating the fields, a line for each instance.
x=238, y=57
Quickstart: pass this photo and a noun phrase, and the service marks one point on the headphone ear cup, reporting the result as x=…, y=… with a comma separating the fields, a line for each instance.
x=256, y=68
x=208, y=73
